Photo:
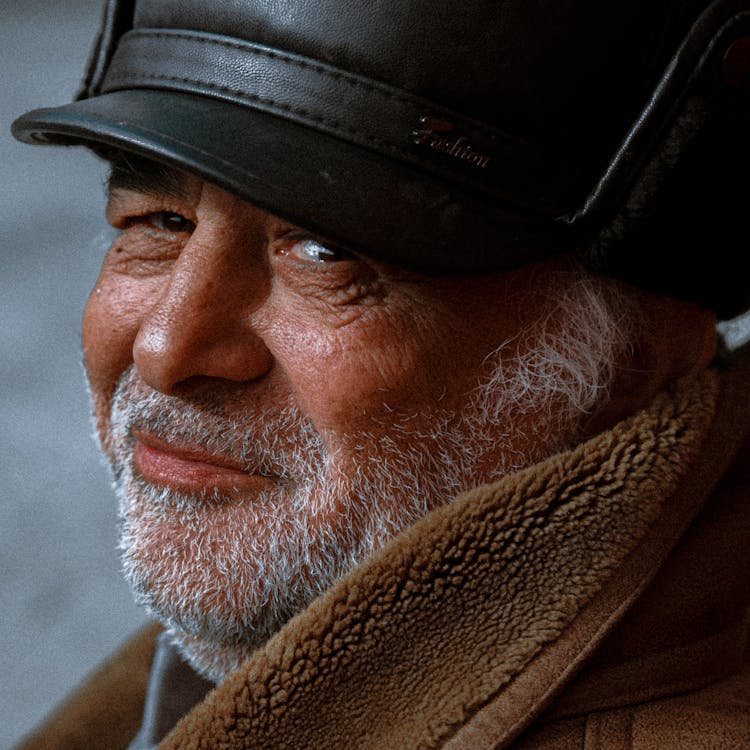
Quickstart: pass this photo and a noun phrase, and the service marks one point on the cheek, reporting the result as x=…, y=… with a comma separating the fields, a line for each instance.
x=356, y=376
x=111, y=321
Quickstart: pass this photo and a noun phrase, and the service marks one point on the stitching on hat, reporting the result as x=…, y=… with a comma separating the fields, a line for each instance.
x=376, y=87
x=274, y=55
x=232, y=167
x=335, y=125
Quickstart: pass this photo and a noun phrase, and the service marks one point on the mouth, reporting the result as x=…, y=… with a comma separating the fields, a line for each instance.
x=194, y=470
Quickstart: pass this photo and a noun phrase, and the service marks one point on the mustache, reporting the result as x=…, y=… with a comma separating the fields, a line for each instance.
x=264, y=440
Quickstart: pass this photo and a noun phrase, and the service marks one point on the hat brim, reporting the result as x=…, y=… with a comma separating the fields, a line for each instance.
x=357, y=197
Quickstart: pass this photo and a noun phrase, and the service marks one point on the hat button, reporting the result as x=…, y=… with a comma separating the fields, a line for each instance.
x=736, y=64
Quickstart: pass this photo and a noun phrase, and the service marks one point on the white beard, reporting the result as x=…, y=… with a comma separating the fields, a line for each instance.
x=225, y=574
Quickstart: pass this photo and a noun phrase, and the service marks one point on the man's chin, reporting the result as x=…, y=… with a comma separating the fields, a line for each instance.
x=209, y=627
x=211, y=658
x=223, y=577
x=208, y=586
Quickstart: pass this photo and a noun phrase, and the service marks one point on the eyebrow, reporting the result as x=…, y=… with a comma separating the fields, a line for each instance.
x=141, y=175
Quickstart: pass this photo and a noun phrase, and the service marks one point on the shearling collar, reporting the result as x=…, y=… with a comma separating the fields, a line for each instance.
x=462, y=630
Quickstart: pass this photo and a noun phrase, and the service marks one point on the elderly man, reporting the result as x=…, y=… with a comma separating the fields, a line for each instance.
x=398, y=465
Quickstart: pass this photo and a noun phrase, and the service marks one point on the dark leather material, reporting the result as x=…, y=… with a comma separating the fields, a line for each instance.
x=307, y=177
x=511, y=63
x=342, y=104
x=451, y=137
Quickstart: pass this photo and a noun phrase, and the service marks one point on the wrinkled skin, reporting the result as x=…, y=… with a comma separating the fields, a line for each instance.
x=236, y=317
x=236, y=304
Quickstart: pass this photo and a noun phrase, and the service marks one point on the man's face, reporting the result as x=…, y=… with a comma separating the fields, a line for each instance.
x=275, y=408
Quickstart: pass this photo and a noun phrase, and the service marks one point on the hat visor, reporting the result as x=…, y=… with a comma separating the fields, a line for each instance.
x=375, y=205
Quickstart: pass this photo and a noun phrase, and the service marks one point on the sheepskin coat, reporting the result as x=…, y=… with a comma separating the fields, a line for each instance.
x=596, y=600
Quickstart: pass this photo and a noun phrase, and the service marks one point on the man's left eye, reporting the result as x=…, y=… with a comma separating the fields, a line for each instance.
x=311, y=251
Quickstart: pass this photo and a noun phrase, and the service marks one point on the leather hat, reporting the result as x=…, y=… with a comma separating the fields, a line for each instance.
x=454, y=137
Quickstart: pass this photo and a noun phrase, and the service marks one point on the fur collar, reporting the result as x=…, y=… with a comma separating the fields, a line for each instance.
x=464, y=628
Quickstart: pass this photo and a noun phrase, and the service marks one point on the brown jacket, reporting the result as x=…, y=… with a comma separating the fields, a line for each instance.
x=595, y=600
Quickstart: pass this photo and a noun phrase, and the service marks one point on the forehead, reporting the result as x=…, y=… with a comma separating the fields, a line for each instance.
x=130, y=172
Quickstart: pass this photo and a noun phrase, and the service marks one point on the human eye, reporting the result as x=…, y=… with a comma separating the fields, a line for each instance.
x=310, y=250
x=320, y=271
x=149, y=237
x=162, y=221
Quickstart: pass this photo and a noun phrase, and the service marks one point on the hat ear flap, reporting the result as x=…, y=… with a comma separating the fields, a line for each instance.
x=666, y=215
x=681, y=228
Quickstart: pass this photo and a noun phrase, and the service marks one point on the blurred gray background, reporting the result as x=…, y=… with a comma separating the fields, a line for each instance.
x=64, y=606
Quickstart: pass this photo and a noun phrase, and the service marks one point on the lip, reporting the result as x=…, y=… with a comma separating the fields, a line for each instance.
x=190, y=469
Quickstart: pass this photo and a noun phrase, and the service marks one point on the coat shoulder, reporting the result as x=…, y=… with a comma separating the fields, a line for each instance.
x=716, y=717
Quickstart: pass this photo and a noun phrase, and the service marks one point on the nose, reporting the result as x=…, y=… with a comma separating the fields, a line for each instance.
x=200, y=323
